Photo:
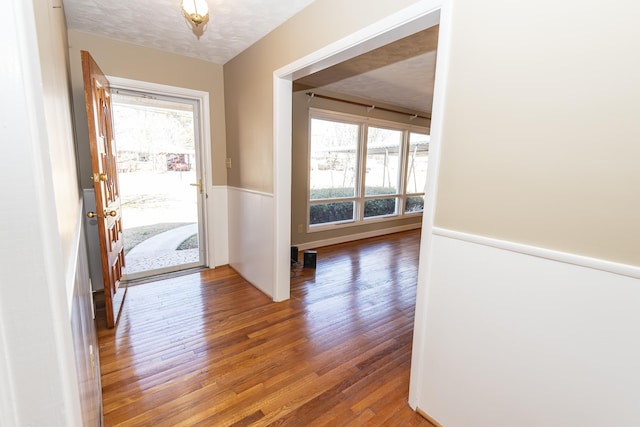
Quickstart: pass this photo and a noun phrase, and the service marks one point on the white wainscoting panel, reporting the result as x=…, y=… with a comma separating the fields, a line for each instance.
x=251, y=237
x=514, y=339
x=217, y=229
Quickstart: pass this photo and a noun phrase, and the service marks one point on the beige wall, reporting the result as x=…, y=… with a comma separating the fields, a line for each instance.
x=540, y=123
x=300, y=164
x=249, y=79
x=540, y=139
x=139, y=63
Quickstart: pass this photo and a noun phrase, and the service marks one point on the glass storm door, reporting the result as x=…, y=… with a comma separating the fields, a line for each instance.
x=161, y=175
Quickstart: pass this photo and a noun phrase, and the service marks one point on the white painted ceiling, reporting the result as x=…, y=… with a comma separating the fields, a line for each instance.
x=399, y=74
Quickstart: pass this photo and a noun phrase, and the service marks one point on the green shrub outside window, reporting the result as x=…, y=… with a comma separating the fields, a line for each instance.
x=324, y=213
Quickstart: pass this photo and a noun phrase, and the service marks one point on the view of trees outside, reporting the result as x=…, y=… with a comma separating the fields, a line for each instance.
x=383, y=170
x=417, y=171
x=149, y=133
x=383, y=161
x=334, y=171
x=334, y=151
x=418, y=162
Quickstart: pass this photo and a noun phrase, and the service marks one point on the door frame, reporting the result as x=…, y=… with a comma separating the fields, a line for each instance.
x=419, y=16
x=202, y=99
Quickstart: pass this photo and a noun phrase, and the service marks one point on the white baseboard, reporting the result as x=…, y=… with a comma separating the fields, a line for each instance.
x=357, y=236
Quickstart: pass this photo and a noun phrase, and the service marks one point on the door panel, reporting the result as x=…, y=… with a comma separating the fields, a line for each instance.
x=105, y=181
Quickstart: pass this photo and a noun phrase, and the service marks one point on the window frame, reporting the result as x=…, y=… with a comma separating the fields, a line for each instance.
x=360, y=198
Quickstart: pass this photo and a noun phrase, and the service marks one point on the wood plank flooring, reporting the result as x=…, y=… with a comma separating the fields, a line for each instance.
x=208, y=349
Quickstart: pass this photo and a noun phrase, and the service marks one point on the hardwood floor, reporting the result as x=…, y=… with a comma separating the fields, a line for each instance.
x=209, y=349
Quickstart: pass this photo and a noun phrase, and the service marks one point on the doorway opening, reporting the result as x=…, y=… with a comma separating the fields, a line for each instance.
x=411, y=20
x=419, y=16
x=160, y=173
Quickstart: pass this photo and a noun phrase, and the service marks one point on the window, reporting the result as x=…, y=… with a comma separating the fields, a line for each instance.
x=361, y=171
x=382, y=175
x=417, y=161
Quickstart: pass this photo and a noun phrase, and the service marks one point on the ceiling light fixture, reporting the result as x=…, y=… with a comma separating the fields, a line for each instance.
x=197, y=12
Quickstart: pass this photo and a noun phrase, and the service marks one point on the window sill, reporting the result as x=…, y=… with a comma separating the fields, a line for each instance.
x=356, y=223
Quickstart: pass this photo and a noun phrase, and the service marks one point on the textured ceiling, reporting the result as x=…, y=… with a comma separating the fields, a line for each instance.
x=407, y=84
x=233, y=25
x=399, y=74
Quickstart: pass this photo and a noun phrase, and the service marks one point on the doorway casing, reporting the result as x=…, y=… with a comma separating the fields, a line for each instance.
x=422, y=15
x=202, y=99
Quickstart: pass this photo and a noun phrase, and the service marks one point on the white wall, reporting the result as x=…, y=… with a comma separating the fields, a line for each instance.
x=85, y=341
x=519, y=340
x=251, y=248
x=218, y=227
x=39, y=228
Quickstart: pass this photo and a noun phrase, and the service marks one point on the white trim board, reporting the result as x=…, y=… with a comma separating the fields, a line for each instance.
x=425, y=261
x=160, y=89
x=282, y=141
x=246, y=190
x=565, y=257
x=356, y=236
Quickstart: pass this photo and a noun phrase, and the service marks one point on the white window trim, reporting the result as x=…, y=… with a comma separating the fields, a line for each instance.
x=358, y=217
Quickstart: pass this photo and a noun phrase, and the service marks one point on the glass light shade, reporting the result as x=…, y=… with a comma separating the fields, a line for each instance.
x=196, y=10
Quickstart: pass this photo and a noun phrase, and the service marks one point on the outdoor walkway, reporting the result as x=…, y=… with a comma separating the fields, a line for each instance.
x=160, y=251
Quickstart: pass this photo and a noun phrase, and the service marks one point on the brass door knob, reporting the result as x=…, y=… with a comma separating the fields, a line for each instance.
x=96, y=177
x=199, y=185
x=106, y=214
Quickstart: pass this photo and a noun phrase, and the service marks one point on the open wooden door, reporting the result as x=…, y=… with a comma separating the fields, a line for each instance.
x=105, y=182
